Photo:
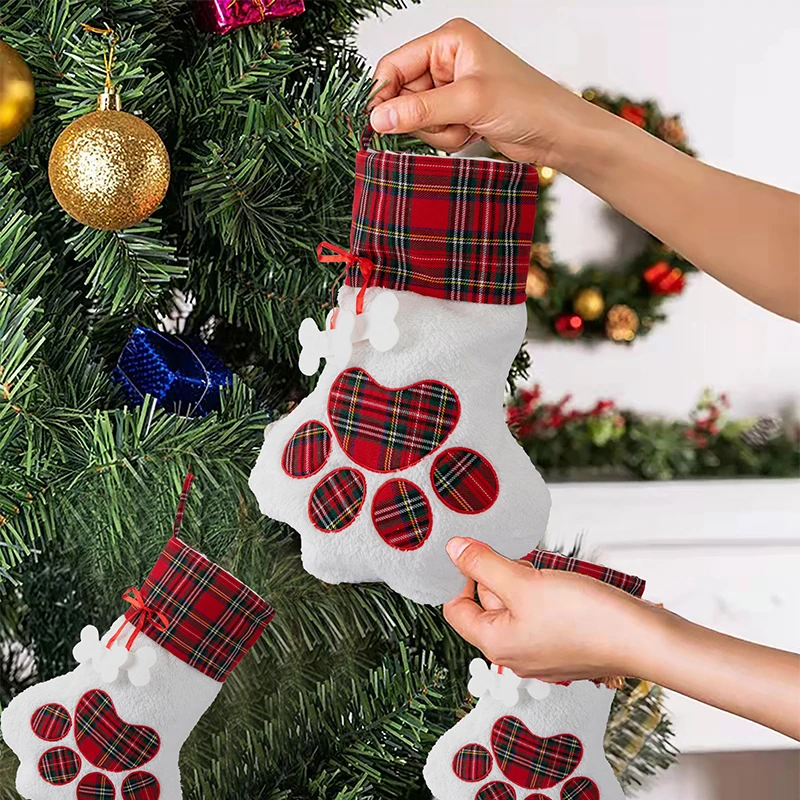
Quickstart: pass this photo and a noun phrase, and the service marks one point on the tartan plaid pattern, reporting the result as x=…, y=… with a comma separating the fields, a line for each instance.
x=453, y=228
x=580, y=789
x=544, y=559
x=385, y=430
x=106, y=741
x=532, y=761
x=214, y=619
x=336, y=501
x=59, y=766
x=402, y=515
x=95, y=786
x=464, y=481
x=496, y=790
x=307, y=451
x=141, y=786
x=473, y=762
x=51, y=722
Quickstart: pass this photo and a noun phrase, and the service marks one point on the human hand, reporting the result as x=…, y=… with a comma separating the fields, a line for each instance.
x=458, y=83
x=547, y=624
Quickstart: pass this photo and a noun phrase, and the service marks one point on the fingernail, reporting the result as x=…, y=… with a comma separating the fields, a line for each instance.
x=456, y=546
x=383, y=119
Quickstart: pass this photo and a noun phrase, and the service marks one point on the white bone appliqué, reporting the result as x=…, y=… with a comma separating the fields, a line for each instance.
x=331, y=344
x=377, y=324
x=106, y=662
x=139, y=666
x=503, y=684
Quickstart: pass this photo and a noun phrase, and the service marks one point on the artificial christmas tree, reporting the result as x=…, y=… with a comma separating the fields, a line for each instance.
x=351, y=686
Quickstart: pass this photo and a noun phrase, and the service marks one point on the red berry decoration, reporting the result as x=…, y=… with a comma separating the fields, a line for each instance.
x=633, y=113
x=664, y=279
x=569, y=326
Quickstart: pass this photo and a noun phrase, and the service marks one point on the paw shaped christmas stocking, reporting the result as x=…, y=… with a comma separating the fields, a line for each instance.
x=529, y=740
x=113, y=728
x=403, y=444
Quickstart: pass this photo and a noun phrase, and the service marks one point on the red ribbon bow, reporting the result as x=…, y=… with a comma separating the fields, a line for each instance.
x=143, y=615
x=342, y=256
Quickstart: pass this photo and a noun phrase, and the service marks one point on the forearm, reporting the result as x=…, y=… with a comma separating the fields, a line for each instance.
x=759, y=683
x=744, y=233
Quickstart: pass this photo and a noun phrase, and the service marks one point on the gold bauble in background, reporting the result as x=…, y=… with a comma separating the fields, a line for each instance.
x=622, y=323
x=546, y=175
x=536, y=285
x=17, y=94
x=541, y=255
x=109, y=169
x=589, y=303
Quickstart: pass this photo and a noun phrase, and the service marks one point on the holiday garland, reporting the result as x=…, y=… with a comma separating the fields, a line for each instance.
x=616, y=444
x=617, y=303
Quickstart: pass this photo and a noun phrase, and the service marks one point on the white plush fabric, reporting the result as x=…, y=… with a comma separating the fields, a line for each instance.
x=469, y=347
x=580, y=709
x=172, y=704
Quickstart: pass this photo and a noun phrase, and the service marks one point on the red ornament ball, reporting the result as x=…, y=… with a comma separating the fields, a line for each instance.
x=662, y=279
x=633, y=113
x=569, y=326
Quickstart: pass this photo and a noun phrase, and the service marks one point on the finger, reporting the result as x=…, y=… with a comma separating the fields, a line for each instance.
x=402, y=66
x=478, y=561
x=423, y=84
x=452, y=104
x=451, y=139
x=465, y=616
x=488, y=599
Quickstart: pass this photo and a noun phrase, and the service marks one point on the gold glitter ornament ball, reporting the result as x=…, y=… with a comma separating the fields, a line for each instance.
x=17, y=94
x=109, y=169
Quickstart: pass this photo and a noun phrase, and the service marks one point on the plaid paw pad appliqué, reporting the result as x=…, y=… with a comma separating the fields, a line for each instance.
x=403, y=443
x=100, y=734
x=526, y=739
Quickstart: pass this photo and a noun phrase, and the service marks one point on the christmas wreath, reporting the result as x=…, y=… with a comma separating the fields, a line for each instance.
x=618, y=303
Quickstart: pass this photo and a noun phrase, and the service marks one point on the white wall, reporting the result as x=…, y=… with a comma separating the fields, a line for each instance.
x=731, y=69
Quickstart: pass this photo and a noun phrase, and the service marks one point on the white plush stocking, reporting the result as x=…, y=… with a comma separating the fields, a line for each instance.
x=403, y=444
x=113, y=728
x=529, y=740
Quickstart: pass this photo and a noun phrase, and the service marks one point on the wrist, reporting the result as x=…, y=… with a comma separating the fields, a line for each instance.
x=589, y=148
x=654, y=639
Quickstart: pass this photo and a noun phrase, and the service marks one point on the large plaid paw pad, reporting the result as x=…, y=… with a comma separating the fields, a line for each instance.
x=386, y=430
x=526, y=762
x=104, y=741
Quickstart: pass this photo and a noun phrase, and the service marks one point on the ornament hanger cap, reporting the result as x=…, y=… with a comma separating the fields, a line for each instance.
x=109, y=100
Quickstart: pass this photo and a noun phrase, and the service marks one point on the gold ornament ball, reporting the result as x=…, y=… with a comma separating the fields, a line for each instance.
x=109, y=169
x=17, y=94
x=536, y=285
x=589, y=303
x=622, y=323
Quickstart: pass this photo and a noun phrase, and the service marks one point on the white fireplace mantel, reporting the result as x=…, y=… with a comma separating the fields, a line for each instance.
x=725, y=554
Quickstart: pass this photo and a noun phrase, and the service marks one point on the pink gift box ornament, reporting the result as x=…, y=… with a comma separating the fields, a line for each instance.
x=223, y=16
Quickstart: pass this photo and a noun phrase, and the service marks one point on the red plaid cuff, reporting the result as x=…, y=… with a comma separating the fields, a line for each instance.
x=213, y=618
x=543, y=559
x=454, y=228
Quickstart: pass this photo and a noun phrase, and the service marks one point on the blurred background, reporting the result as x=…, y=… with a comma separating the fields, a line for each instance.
x=713, y=551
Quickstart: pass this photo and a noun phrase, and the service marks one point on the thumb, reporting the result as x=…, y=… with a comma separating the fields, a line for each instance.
x=452, y=104
x=478, y=561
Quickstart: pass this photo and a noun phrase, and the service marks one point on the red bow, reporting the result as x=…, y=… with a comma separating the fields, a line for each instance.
x=340, y=255
x=143, y=615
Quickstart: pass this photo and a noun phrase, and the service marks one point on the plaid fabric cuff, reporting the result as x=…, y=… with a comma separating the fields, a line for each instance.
x=213, y=618
x=453, y=228
x=543, y=559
